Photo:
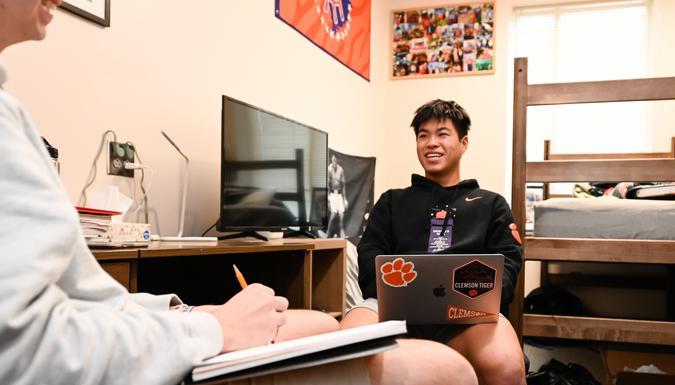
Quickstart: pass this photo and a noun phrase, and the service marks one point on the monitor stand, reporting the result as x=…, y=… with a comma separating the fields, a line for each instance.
x=243, y=234
x=299, y=233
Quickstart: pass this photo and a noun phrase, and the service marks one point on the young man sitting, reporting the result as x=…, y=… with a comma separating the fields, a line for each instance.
x=400, y=224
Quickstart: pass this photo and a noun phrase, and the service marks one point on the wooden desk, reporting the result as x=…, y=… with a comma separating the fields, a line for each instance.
x=310, y=273
x=120, y=264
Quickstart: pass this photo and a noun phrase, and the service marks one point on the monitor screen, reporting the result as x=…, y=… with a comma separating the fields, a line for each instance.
x=273, y=171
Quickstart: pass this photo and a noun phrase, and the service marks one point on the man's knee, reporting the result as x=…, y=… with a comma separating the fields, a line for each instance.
x=421, y=362
x=494, y=351
x=318, y=321
x=502, y=369
x=453, y=369
x=459, y=372
x=358, y=316
x=302, y=323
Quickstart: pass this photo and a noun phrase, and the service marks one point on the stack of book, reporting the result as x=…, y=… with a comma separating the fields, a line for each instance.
x=96, y=224
x=101, y=231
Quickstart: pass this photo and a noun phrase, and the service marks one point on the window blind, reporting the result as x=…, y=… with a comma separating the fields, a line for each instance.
x=586, y=42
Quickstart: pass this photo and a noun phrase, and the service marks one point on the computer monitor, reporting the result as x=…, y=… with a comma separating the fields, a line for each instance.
x=273, y=171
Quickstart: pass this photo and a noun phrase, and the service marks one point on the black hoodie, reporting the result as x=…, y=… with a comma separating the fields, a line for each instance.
x=399, y=224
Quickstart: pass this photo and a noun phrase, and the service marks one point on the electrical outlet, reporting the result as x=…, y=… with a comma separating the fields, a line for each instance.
x=118, y=154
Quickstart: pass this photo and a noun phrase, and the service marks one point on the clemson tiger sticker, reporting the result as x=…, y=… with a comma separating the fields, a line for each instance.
x=398, y=273
x=474, y=279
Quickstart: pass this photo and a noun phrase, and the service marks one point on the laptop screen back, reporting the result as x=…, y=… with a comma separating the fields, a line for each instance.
x=439, y=288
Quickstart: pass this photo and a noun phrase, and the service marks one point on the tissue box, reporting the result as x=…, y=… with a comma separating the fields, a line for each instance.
x=121, y=232
x=129, y=232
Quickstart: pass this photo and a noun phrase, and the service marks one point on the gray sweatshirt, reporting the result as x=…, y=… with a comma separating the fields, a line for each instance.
x=63, y=320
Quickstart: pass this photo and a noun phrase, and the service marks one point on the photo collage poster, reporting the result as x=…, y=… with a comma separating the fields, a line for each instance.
x=443, y=41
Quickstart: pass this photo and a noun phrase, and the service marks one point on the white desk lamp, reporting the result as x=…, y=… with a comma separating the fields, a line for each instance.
x=179, y=237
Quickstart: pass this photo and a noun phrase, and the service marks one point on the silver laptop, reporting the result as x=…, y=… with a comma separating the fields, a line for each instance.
x=439, y=288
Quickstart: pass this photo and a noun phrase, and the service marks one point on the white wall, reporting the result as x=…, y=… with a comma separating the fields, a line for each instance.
x=662, y=63
x=483, y=96
x=164, y=65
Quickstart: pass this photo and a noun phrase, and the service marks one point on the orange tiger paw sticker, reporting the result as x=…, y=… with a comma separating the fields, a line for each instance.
x=514, y=232
x=398, y=272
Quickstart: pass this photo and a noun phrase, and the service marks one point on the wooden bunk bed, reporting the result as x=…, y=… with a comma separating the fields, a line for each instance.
x=586, y=168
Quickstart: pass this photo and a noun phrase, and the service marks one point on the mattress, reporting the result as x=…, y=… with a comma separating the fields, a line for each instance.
x=604, y=218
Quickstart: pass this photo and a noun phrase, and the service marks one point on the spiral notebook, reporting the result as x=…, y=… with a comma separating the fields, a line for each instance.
x=301, y=353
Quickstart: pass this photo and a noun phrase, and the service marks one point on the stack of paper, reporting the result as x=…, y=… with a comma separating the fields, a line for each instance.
x=101, y=230
x=95, y=223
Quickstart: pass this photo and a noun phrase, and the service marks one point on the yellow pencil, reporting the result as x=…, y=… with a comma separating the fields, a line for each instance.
x=240, y=277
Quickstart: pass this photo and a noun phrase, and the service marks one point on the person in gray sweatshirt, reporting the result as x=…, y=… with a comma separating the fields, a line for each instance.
x=64, y=320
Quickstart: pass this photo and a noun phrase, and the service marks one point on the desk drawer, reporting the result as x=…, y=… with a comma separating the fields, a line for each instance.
x=121, y=271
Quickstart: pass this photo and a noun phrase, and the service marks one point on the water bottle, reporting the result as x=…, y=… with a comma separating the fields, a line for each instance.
x=53, y=154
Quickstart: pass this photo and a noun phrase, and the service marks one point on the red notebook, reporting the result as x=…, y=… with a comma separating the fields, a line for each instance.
x=88, y=210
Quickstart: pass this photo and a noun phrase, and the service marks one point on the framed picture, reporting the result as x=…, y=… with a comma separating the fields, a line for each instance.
x=443, y=41
x=97, y=11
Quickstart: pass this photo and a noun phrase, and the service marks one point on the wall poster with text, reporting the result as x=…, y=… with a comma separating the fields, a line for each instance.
x=339, y=27
x=443, y=41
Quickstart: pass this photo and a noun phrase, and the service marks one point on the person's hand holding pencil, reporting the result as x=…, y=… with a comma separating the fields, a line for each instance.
x=252, y=317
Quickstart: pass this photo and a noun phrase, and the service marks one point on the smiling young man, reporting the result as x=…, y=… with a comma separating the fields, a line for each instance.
x=480, y=222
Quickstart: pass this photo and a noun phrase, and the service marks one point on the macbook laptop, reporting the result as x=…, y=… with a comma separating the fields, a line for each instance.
x=439, y=288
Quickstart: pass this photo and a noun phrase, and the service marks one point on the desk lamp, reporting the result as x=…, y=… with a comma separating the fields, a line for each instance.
x=179, y=237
